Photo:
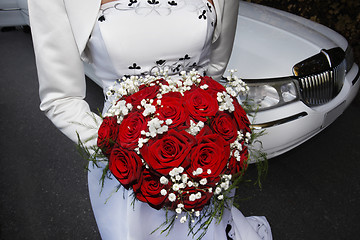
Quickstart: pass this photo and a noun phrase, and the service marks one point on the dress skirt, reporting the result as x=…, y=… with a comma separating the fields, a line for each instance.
x=118, y=219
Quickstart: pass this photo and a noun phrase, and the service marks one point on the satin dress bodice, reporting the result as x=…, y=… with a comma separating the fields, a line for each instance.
x=142, y=37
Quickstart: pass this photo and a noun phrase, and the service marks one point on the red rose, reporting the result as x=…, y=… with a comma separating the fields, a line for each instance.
x=173, y=108
x=241, y=117
x=206, y=130
x=107, y=134
x=213, y=86
x=125, y=165
x=149, y=92
x=148, y=190
x=224, y=124
x=237, y=166
x=130, y=130
x=169, y=151
x=201, y=104
x=198, y=204
x=211, y=153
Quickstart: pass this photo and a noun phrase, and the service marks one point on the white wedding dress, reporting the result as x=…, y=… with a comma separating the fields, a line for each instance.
x=140, y=37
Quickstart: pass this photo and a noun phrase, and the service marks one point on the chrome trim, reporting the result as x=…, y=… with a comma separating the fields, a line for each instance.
x=356, y=78
x=10, y=9
x=321, y=77
x=280, y=121
x=323, y=61
x=318, y=89
x=327, y=57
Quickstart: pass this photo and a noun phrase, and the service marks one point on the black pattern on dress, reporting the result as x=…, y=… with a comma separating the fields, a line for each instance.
x=160, y=62
x=153, y=2
x=186, y=57
x=134, y=66
x=161, y=7
x=101, y=18
x=132, y=2
x=227, y=230
x=203, y=15
x=172, y=3
x=184, y=63
x=209, y=6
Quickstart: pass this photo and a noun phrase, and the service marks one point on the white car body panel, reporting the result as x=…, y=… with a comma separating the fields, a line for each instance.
x=13, y=13
x=270, y=42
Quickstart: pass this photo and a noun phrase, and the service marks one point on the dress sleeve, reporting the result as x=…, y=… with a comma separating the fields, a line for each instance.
x=60, y=71
x=222, y=47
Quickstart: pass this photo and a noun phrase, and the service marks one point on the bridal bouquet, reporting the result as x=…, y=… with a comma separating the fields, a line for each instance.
x=179, y=143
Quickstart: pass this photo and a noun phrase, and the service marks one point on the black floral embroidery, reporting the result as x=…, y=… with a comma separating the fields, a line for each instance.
x=160, y=62
x=132, y=2
x=101, y=18
x=172, y=3
x=209, y=6
x=153, y=2
x=182, y=64
x=161, y=7
x=227, y=230
x=134, y=66
x=203, y=15
x=177, y=68
x=186, y=57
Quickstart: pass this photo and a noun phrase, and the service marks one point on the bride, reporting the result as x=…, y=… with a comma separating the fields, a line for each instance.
x=130, y=37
